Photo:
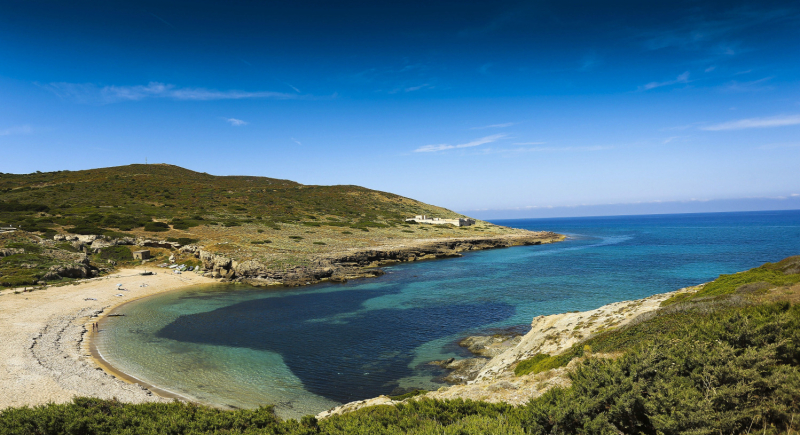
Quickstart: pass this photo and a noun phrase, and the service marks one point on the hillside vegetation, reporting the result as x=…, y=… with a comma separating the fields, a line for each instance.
x=280, y=224
x=127, y=197
x=726, y=364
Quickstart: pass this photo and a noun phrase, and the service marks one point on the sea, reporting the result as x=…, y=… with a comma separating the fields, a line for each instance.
x=308, y=349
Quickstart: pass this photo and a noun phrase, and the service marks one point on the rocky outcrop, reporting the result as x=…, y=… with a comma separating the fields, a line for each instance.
x=352, y=406
x=98, y=244
x=489, y=345
x=51, y=276
x=92, y=243
x=461, y=370
x=150, y=243
x=190, y=249
x=10, y=251
x=79, y=266
x=74, y=270
x=69, y=271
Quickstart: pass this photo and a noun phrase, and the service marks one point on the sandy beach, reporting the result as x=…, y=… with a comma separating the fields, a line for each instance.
x=44, y=338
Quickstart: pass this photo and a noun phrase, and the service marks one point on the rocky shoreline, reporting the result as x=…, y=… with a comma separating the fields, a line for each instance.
x=335, y=266
x=482, y=348
x=364, y=263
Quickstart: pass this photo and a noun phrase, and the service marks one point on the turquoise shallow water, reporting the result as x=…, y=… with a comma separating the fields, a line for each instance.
x=309, y=349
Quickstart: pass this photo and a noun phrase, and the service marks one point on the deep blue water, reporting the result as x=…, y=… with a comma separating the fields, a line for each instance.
x=308, y=349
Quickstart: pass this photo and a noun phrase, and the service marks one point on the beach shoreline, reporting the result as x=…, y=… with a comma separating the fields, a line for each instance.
x=46, y=339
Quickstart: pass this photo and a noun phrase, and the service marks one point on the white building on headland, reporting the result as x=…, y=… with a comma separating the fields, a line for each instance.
x=460, y=222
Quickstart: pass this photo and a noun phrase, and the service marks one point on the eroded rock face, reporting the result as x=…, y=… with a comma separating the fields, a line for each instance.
x=74, y=270
x=251, y=268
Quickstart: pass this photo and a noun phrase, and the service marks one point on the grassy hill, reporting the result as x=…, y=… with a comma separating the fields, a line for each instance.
x=278, y=223
x=127, y=197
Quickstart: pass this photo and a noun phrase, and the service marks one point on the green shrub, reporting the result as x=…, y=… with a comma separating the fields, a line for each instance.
x=66, y=246
x=30, y=248
x=156, y=227
x=18, y=280
x=785, y=272
x=86, y=231
x=409, y=394
x=15, y=206
x=184, y=224
x=724, y=372
x=319, y=243
x=366, y=224
x=540, y=363
x=116, y=253
x=115, y=234
x=124, y=223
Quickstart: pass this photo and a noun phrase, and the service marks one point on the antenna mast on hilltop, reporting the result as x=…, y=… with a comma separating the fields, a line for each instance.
x=145, y=160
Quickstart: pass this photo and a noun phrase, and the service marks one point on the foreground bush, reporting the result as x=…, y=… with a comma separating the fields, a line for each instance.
x=729, y=372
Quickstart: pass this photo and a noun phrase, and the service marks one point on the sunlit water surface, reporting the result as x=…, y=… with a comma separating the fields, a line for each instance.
x=309, y=349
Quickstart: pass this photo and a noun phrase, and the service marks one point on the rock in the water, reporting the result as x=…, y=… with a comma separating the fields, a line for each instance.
x=491, y=345
x=442, y=363
x=462, y=370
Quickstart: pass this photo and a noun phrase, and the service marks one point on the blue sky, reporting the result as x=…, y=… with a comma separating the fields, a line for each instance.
x=496, y=109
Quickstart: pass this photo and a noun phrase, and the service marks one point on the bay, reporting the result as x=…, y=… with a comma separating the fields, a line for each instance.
x=309, y=349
